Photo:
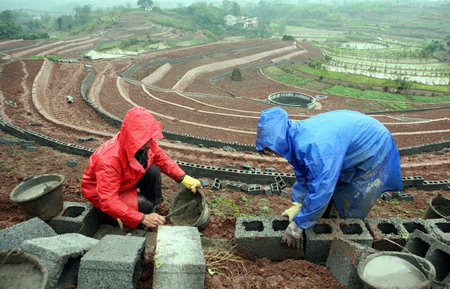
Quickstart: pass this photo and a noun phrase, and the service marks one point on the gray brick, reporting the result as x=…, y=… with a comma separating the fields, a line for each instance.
x=260, y=237
x=319, y=238
x=441, y=228
x=15, y=235
x=388, y=234
x=343, y=259
x=58, y=253
x=76, y=218
x=439, y=256
x=115, y=262
x=179, y=260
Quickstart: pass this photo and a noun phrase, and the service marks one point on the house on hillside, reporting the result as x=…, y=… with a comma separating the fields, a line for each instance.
x=241, y=21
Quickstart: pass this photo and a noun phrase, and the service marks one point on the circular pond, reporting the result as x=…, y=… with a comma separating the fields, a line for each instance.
x=293, y=99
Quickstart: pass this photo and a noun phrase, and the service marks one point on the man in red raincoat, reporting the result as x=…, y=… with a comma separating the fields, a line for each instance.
x=123, y=177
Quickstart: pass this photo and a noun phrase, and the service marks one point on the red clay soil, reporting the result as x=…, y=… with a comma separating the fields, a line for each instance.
x=206, y=117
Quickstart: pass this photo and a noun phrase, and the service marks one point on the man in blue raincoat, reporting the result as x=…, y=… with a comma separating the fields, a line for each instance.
x=343, y=161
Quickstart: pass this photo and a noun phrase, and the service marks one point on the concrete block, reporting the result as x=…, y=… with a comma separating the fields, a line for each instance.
x=115, y=262
x=204, y=182
x=280, y=182
x=270, y=170
x=234, y=186
x=257, y=190
x=275, y=189
x=179, y=260
x=419, y=243
x=267, y=191
x=14, y=236
x=343, y=260
x=386, y=197
x=76, y=217
x=246, y=167
x=260, y=237
x=284, y=193
x=61, y=256
x=319, y=238
x=388, y=234
x=439, y=256
x=441, y=228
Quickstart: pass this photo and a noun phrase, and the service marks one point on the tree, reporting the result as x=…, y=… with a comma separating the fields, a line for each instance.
x=236, y=74
x=82, y=13
x=145, y=3
x=59, y=23
x=9, y=29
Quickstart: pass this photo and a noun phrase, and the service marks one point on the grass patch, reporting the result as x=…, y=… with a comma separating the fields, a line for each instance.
x=288, y=78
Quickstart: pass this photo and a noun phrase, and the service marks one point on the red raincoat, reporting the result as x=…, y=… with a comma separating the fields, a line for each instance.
x=109, y=181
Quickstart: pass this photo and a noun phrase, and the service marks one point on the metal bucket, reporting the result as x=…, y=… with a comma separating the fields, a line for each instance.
x=386, y=270
x=196, y=215
x=438, y=207
x=21, y=270
x=40, y=196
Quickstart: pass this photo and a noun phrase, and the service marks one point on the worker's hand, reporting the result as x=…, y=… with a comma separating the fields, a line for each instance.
x=153, y=220
x=292, y=211
x=191, y=183
x=292, y=236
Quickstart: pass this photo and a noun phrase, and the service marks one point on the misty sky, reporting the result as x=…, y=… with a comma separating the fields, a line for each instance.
x=61, y=6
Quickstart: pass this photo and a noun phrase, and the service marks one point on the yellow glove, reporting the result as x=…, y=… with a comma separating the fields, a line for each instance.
x=191, y=183
x=292, y=211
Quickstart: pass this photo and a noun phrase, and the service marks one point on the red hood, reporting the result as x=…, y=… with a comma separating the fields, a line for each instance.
x=138, y=127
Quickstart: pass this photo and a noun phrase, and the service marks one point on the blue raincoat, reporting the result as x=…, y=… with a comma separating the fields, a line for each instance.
x=342, y=155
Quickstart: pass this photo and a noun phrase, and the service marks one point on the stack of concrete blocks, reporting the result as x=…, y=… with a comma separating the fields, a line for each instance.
x=115, y=262
x=179, y=261
x=61, y=255
x=438, y=253
x=15, y=235
x=391, y=234
x=319, y=238
x=260, y=237
x=343, y=260
x=76, y=217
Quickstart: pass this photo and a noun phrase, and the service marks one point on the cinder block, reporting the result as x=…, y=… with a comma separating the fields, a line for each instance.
x=284, y=194
x=434, y=185
x=14, y=236
x=388, y=234
x=439, y=256
x=267, y=191
x=217, y=184
x=318, y=238
x=76, y=217
x=234, y=186
x=343, y=260
x=260, y=237
x=275, y=189
x=246, y=167
x=441, y=228
x=270, y=170
x=115, y=262
x=386, y=197
x=61, y=255
x=419, y=243
x=179, y=260
x=280, y=182
x=204, y=183
x=255, y=190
